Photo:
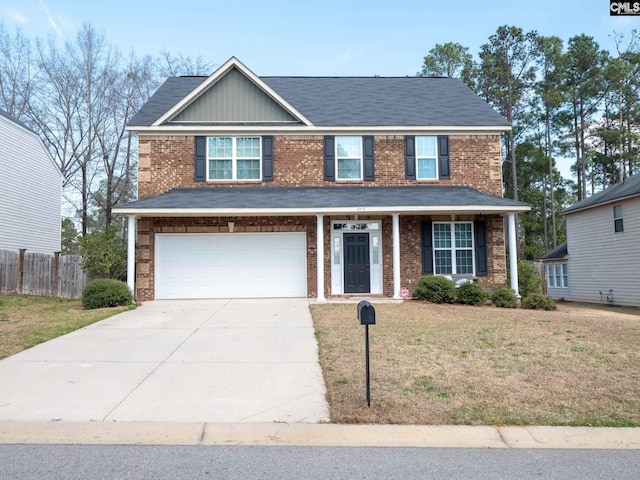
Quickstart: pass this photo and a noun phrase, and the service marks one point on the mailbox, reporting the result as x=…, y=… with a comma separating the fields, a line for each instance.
x=366, y=313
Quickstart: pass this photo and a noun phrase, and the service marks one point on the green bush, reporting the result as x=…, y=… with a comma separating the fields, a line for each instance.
x=504, y=297
x=471, y=293
x=435, y=289
x=536, y=301
x=529, y=279
x=106, y=292
x=104, y=254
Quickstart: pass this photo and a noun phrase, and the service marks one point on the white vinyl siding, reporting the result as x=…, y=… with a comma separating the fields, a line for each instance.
x=601, y=259
x=30, y=192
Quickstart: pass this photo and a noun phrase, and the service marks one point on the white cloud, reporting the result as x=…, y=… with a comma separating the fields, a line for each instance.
x=52, y=21
x=18, y=18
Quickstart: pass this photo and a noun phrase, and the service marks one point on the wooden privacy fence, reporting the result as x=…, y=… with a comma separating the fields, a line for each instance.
x=41, y=274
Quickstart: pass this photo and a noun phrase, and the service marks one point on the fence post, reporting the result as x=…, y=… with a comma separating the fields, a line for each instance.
x=20, y=270
x=56, y=273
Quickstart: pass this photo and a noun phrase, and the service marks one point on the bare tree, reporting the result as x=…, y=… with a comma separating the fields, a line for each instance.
x=17, y=73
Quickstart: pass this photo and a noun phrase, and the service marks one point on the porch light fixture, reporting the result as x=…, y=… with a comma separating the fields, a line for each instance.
x=231, y=225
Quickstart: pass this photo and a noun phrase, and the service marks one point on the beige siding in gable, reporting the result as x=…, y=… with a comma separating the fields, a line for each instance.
x=600, y=259
x=234, y=98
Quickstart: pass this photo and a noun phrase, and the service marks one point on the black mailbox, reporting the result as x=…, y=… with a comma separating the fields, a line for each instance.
x=366, y=313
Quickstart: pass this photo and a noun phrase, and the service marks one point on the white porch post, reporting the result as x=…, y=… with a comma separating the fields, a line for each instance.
x=513, y=254
x=320, y=258
x=396, y=256
x=131, y=254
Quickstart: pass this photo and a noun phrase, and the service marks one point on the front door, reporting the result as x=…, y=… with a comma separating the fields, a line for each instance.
x=356, y=263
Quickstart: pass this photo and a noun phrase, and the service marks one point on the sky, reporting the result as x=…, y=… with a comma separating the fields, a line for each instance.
x=327, y=38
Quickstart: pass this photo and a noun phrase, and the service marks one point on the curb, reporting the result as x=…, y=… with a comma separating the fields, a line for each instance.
x=327, y=435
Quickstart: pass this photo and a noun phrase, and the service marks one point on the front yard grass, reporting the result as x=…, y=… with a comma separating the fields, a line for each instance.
x=27, y=320
x=452, y=364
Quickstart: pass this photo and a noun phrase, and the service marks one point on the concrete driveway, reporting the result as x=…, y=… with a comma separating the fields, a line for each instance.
x=175, y=361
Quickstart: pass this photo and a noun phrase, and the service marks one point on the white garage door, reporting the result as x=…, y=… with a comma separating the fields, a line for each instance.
x=230, y=265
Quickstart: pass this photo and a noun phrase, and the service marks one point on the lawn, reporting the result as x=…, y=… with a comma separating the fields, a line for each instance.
x=453, y=364
x=27, y=320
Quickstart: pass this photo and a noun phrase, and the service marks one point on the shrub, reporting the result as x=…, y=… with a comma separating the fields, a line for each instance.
x=504, y=297
x=435, y=289
x=529, y=279
x=106, y=292
x=471, y=293
x=104, y=255
x=536, y=301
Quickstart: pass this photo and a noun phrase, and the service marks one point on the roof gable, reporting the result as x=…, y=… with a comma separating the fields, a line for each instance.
x=234, y=99
x=232, y=94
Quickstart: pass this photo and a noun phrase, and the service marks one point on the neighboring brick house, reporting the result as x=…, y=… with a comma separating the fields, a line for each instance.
x=305, y=186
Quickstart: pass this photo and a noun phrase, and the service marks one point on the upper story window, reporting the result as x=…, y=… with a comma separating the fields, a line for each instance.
x=618, y=224
x=453, y=248
x=427, y=158
x=349, y=158
x=234, y=158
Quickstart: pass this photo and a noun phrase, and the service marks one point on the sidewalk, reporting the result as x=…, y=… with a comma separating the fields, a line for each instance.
x=300, y=434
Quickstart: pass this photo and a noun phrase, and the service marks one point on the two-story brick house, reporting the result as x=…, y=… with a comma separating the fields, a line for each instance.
x=303, y=186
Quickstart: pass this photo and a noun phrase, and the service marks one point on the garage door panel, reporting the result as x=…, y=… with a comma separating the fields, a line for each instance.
x=239, y=265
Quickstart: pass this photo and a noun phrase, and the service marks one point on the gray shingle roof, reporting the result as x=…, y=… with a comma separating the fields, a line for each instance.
x=356, y=101
x=628, y=188
x=561, y=251
x=321, y=197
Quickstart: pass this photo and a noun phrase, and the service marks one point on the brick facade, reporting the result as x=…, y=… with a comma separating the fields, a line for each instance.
x=166, y=162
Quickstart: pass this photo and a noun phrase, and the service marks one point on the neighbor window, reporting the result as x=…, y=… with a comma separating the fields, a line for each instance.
x=618, y=224
x=233, y=158
x=427, y=158
x=349, y=158
x=557, y=275
x=453, y=248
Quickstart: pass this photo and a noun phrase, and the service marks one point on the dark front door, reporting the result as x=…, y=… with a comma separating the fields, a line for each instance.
x=356, y=263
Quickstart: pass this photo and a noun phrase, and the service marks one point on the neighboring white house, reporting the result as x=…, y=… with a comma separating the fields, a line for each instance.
x=30, y=190
x=601, y=260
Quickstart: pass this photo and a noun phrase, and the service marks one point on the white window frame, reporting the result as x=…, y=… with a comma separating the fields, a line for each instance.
x=349, y=158
x=556, y=277
x=618, y=217
x=418, y=177
x=453, y=249
x=234, y=160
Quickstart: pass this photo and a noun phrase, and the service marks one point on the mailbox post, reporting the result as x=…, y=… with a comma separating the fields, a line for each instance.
x=367, y=316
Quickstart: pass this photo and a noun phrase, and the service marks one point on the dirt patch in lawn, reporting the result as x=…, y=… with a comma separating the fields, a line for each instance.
x=27, y=320
x=452, y=364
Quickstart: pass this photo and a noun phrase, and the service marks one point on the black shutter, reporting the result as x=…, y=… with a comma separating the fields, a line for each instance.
x=481, y=248
x=410, y=157
x=330, y=158
x=200, y=159
x=443, y=157
x=369, y=163
x=427, y=249
x=267, y=159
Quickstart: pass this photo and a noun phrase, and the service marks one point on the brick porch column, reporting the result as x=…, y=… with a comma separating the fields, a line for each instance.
x=513, y=254
x=131, y=254
x=396, y=256
x=320, y=258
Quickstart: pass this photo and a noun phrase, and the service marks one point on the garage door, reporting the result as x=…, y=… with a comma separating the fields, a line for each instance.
x=230, y=265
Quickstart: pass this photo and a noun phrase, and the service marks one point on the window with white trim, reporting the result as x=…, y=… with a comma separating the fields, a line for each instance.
x=349, y=158
x=427, y=158
x=453, y=248
x=618, y=223
x=557, y=275
x=234, y=158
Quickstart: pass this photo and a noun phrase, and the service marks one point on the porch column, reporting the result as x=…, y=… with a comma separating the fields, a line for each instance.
x=320, y=258
x=396, y=256
x=513, y=254
x=131, y=254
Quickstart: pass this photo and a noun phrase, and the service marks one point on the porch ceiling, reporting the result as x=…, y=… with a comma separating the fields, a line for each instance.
x=306, y=201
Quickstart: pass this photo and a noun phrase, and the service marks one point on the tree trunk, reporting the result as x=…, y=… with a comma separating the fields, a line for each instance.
x=551, y=181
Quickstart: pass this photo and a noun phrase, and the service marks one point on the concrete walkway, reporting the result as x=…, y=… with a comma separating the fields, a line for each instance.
x=174, y=361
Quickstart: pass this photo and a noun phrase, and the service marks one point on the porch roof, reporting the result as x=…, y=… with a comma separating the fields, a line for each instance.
x=298, y=201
